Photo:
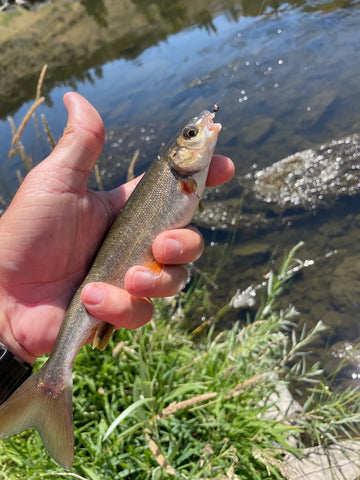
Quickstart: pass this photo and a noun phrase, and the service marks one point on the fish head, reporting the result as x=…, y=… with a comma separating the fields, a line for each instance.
x=191, y=150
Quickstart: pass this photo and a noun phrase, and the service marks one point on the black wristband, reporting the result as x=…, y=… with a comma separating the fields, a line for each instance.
x=13, y=372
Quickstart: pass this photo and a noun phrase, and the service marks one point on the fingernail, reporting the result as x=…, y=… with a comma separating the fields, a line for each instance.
x=144, y=280
x=94, y=295
x=173, y=248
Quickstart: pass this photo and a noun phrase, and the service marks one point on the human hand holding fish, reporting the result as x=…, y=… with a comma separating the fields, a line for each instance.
x=51, y=231
x=49, y=236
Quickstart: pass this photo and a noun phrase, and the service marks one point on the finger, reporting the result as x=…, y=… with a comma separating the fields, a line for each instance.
x=141, y=281
x=116, y=306
x=182, y=245
x=221, y=170
x=81, y=144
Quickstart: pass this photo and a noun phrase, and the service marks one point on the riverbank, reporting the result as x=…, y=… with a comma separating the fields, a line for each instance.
x=73, y=37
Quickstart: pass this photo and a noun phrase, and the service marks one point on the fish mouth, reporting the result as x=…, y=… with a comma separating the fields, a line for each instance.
x=214, y=128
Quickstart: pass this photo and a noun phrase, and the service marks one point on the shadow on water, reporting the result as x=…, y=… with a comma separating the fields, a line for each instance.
x=286, y=79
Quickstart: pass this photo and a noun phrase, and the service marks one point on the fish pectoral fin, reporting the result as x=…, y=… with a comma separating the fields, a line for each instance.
x=34, y=406
x=188, y=185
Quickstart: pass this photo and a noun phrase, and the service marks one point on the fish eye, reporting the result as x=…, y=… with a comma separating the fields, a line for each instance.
x=190, y=132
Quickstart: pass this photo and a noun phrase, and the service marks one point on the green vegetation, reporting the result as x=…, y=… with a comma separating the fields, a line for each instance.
x=163, y=403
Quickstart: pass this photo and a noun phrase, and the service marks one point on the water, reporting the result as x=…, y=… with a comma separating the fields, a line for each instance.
x=286, y=79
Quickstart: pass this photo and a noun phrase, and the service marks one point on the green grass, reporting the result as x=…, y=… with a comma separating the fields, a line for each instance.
x=171, y=405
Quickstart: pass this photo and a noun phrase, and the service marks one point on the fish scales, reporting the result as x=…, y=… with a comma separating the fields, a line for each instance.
x=147, y=213
x=166, y=197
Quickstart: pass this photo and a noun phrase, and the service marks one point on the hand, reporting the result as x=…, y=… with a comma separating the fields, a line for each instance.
x=52, y=229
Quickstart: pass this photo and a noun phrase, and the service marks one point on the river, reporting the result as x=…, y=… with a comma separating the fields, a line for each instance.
x=286, y=78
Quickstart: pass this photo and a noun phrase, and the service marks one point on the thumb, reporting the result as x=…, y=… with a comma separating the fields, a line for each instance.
x=81, y=143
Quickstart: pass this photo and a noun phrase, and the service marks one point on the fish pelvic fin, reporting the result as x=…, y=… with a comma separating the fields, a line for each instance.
x=102, y=335
x=48, y=409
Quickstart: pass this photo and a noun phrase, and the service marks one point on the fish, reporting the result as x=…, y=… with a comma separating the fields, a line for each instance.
x=166, y=197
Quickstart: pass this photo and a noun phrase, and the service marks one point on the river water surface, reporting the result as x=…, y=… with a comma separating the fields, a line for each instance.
x=286, y=78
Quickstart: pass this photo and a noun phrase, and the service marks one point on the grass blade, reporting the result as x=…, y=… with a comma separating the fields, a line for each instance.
x=125, y=414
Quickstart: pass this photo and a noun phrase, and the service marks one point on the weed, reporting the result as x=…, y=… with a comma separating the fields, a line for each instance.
x=161, y=404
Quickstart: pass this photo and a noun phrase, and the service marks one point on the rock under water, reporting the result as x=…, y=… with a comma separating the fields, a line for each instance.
x=312, y=178
x=290, y=189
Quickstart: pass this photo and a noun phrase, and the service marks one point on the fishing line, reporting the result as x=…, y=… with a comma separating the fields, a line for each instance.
x=236, y=66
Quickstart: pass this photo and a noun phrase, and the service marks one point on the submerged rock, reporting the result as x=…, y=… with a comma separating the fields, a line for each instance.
x=313, y=177
x=315, y=107
x=258, y=131
x=343, y=361
x=345, y=285
x=290, y=189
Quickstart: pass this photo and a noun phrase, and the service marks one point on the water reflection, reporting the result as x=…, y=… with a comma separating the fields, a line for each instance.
x=96, y=9
x=125, y=30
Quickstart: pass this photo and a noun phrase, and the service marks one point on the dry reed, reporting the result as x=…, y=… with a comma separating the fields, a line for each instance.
x=40, y=82
x=98, y=177
x=17, y=146
x=130, y=172
x=26, y=119
x=49, y=135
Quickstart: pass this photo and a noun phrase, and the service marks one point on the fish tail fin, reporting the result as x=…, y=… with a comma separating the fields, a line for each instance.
x=47, y=408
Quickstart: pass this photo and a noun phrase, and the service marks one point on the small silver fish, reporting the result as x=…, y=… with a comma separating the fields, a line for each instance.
x=165, y=198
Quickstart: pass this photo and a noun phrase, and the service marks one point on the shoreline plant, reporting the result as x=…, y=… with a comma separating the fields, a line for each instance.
x=160, y=403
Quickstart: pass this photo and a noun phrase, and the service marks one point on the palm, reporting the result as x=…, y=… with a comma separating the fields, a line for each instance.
x=51, y=237
x=51, y=241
